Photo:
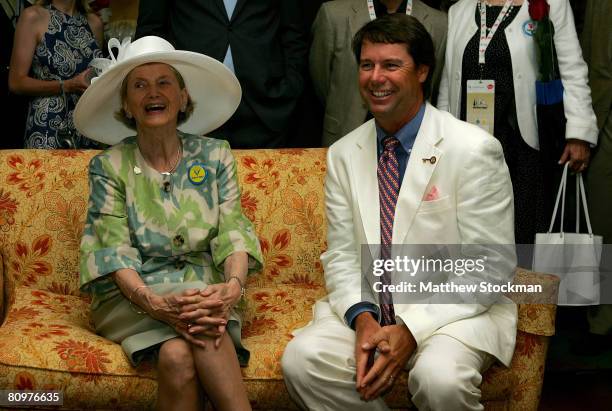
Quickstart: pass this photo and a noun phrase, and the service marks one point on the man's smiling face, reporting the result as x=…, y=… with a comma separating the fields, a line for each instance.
x=390, y=83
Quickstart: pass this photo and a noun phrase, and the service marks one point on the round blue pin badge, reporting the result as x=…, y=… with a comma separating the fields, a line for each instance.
x=197, y=174
x=529, y=27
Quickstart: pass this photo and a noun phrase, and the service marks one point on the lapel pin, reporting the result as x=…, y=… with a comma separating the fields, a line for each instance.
x=431, y=160
x=197, y=174
x=137, y=170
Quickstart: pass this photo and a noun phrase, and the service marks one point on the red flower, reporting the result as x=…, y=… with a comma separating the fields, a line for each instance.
x=29, y=263
x=52, y=302
x=24, y=381
x=538, y=9
x=17, y=314
x=249, y=205
x=263, y=175
x=28, y=177
x=275, y=258
x=81, y=356
x=258, y=326
x=278, y=302
x=526, y=344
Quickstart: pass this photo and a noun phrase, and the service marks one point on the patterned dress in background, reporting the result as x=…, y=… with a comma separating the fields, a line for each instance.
x=524, y=163
x=171, y=229
x=66, y=50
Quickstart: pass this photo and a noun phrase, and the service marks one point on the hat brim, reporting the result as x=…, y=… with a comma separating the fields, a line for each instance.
x=213, y=88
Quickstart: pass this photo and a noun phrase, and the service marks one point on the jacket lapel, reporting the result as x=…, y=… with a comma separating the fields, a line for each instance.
x=239, y=6
x=417, y=175
x=358, y=17
x=420, y=12
x=220, y=7
x=363, y=170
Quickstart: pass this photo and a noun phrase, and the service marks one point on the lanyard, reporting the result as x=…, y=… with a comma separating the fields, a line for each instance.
x=484, y=38
x=372, y=11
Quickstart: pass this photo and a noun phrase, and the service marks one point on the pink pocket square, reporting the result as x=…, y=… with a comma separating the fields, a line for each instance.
x=432, y=195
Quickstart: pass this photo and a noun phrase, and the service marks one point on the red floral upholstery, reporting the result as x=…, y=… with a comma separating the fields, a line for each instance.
x=46, y=339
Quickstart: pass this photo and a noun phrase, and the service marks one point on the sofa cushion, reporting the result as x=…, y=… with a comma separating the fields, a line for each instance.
x=45, y=330
x=47, y=338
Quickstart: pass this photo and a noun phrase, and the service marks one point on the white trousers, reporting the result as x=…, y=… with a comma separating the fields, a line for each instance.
x=320, y=371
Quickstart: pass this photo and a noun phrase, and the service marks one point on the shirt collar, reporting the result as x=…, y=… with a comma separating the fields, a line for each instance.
x=407, y=134
x=381, y=9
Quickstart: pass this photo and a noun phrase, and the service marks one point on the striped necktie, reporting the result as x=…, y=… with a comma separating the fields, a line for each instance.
x=388, y=191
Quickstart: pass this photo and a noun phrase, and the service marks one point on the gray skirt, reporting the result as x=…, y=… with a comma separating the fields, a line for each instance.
x=140, y=335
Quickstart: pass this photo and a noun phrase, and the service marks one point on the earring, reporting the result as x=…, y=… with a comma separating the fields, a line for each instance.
x=183, y=109
x=128, y=115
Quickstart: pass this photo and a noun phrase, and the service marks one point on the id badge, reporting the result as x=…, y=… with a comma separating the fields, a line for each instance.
x=480, y=104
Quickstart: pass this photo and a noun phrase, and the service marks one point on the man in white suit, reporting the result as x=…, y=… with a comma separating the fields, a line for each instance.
x=454, y=188
x=333, y=68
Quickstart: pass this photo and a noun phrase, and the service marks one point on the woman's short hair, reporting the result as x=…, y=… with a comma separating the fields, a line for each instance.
x=400, y=28
x=81, y=5
x=121, y=114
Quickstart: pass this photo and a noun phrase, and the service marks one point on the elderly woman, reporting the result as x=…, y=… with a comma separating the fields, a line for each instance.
x=166, y=248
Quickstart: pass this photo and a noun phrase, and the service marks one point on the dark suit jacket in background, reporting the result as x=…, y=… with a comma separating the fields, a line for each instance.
x=15, y=107
x=269, y=51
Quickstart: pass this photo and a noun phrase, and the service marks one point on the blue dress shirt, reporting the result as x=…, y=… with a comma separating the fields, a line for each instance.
x=230, y=5
x=406, y=136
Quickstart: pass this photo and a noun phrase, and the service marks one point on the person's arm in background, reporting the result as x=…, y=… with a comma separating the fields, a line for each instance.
x=97, y=28
x=596, y=44
x=581, y=126
x=321, y=52
x=28, y=33
x=443, y=102
x=295, y=48
x=153, y=18
x=439, y=37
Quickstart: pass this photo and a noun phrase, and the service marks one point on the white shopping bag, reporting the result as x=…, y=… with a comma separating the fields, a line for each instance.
x=573, y=257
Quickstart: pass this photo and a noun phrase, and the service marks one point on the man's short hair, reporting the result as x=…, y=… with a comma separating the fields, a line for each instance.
x=400, y=28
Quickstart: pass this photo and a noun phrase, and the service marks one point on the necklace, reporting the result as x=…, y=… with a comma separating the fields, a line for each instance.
x=176, y=162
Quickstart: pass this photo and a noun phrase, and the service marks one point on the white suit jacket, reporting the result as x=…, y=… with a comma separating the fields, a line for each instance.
x=475, y=206
x=581, y=122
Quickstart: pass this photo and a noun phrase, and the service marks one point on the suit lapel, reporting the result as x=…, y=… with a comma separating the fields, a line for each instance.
x=363, y=169
x=220, y=6
x=358, y=17
x=417, y=175
x=421, y=13
x=239, y=6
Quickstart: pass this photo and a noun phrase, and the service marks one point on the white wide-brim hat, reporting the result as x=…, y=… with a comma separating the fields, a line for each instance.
x=213, y=88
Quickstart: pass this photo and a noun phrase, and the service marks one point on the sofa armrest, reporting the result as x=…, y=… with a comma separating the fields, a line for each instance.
x=537, y=317
x=1, y=289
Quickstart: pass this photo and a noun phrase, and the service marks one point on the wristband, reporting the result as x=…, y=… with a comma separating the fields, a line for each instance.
x=132, y=306
x=239, y=283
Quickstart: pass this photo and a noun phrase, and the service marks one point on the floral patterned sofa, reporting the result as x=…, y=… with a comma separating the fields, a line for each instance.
x=46, y=338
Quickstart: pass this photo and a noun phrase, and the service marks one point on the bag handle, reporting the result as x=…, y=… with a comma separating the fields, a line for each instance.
x=560, y=193
x=580, y=183
x=580, y=192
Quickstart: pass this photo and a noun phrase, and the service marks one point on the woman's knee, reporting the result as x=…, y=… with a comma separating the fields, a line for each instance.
x=176, y=361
